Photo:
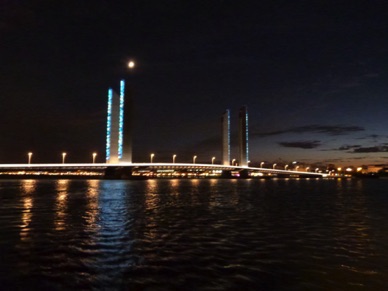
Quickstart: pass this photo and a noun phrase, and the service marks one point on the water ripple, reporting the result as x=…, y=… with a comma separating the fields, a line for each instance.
x=194, y=234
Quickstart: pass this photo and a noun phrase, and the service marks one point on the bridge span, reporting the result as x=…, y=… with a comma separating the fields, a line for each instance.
x=146, y=170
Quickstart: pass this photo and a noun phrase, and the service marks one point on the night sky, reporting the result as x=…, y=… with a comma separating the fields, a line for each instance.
x=313, y=75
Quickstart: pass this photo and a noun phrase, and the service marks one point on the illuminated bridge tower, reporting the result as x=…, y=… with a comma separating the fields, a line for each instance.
x=118, y=136
x=243, y=136
x=112, y=131
x=127, y=124
x=226, y=138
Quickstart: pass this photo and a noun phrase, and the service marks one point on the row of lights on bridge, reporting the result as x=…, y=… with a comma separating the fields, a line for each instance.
x=286, y=167
x=194, y=159
x=94, y=155
x=174, y=158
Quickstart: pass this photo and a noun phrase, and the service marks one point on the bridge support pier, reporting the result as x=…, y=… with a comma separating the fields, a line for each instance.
x=118, y=173
x=226, y=174
x=244, y=174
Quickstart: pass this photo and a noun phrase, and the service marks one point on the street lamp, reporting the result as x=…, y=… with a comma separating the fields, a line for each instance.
x=316, y=170
x=261, y=164
x=194, y=158
x=274, y=165
x=285, y=167
x=233, y=162
x=307, y=169
x=213, y=158
x=173, y=159
x=63, y=157
x=152, y=157
x=296, y=168
x=29, y=157
x=94, y=157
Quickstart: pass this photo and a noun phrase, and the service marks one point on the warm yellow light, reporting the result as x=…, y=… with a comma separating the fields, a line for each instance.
x=359, y=169
x=131, y=64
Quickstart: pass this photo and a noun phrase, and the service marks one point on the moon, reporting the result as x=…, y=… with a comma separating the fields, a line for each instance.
x=131, y=64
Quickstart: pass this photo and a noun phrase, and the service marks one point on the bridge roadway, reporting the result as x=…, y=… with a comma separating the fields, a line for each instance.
x=133, y=170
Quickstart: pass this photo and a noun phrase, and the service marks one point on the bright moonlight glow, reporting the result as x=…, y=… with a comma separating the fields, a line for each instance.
x=131, y=64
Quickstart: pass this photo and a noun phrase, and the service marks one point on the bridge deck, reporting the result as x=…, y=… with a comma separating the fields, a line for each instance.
x=152, y=167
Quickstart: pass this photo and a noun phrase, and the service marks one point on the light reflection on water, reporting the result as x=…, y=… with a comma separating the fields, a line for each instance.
x=61, y=204
x=92, y=195
x=28, y=203
x=194, y=234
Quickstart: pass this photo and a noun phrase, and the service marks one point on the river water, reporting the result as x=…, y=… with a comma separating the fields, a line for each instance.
x=280, y=234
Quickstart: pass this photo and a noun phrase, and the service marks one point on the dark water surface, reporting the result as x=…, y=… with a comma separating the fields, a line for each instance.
x=194, y=234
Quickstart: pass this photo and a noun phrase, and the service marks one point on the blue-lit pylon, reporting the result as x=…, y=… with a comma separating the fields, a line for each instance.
x=246, y=136
x=109, y=123
x=121, y=119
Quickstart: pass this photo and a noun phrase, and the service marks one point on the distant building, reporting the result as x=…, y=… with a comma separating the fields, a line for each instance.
x=374, y=169
x=226, y=138
x=243, y=137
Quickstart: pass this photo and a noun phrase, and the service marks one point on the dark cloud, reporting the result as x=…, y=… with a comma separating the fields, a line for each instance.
x=348, y=147
x=323, y=129
x=372, y=136
x=359, y=149
x=329, y=161
x=301, y=144
x=374, y=149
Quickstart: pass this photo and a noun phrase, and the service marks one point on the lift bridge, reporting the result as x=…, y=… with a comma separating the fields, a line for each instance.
x=146, y=171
